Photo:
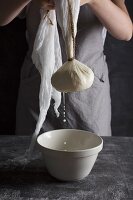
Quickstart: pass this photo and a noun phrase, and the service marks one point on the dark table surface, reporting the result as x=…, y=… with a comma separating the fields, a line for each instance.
x=110, y=179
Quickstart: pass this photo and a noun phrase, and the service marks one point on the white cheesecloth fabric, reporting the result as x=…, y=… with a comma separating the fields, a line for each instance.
x=47, y=57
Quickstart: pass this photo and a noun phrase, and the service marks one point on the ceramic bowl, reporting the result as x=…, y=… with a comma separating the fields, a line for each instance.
x=69, y=154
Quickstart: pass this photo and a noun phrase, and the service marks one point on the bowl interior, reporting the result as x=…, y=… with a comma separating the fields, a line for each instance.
x=69, y=140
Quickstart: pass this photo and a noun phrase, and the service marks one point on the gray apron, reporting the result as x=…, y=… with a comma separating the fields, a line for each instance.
x=87, y=110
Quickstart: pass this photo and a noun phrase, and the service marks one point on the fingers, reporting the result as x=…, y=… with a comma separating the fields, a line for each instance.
x=47, y=5
x=50, y=7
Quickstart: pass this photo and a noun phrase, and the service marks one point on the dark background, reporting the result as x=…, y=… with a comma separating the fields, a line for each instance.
x=120, y=63
x=119, y=56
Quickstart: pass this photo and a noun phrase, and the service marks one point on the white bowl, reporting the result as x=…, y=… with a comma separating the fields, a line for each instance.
x=69, y=154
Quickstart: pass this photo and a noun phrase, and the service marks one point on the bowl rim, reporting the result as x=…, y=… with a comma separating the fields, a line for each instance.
x=72, y=151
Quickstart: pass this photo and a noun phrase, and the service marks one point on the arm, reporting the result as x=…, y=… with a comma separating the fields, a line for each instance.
x=114, y=16
x=10, y=9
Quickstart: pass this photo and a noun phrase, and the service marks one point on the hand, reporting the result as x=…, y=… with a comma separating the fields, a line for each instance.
x=46, y=4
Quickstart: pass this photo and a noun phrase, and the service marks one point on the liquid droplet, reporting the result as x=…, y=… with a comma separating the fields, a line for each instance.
x=64, y=120
x=64, y=108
